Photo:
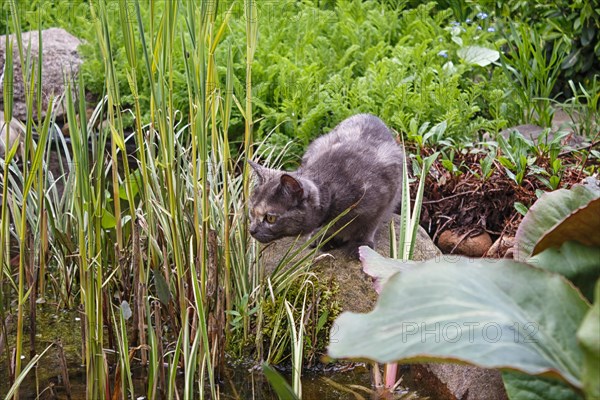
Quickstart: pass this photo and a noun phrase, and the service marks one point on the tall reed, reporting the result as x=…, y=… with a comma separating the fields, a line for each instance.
x=25, y=204
x=187, y=223
x=149, y=236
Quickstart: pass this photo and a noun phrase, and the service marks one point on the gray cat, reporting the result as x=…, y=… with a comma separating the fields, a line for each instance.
x=357, y=166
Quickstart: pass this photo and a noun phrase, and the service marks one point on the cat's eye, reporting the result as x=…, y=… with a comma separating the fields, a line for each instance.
x=271, y=218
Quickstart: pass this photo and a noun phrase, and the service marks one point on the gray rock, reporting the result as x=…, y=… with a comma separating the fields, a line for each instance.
x=59, y=57
x=356, y=289
x=456, y=382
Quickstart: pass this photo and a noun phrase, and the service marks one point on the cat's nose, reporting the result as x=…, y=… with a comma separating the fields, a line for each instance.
x=253, y=230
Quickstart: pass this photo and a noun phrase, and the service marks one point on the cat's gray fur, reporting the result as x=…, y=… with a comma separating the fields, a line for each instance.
x=357, y=165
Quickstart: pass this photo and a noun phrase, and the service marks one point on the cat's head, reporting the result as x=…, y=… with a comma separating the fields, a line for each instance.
x=282, y=204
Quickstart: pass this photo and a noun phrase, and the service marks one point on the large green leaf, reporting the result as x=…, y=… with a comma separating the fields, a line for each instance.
x=492, y=313
x=578, y=263
x=589, y=338
x=548, y=213
x=582, y=225
x=526, y=387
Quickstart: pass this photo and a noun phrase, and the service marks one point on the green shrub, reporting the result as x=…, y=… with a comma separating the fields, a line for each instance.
x=318, y=62
x=316, y=65
x=73, y=15
x=572, y=26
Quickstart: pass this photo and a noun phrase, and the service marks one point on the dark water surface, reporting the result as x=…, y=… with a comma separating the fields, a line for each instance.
x=240, y=381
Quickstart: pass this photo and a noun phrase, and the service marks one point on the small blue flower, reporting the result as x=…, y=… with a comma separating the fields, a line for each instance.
x=478, y=28
x=443, y=53
x=454, y=23
x=482, y=15
x=468, y=20
x=491, y=29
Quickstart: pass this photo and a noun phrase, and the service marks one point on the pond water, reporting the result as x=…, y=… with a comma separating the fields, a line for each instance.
x=240, y=381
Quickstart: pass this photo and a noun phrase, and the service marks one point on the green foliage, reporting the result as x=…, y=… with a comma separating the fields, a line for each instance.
x=534, y=73
x=72, y=15
x=573, y=27
x=525, y=387
x=575, y=261
x=522, y=157
x=402, y=65
x=516, y=152
x=584, y=108
x=319, y=62
x=324, y=309
x=117, y=236
x=487, y=166
x=93, y=69
x=404, y=247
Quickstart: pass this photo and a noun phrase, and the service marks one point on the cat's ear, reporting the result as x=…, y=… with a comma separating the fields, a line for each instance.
x=291, y=186
x=259, y=171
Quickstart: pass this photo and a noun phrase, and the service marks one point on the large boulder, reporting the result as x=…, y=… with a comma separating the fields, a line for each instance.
x=59, y=57
x=356, y=288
